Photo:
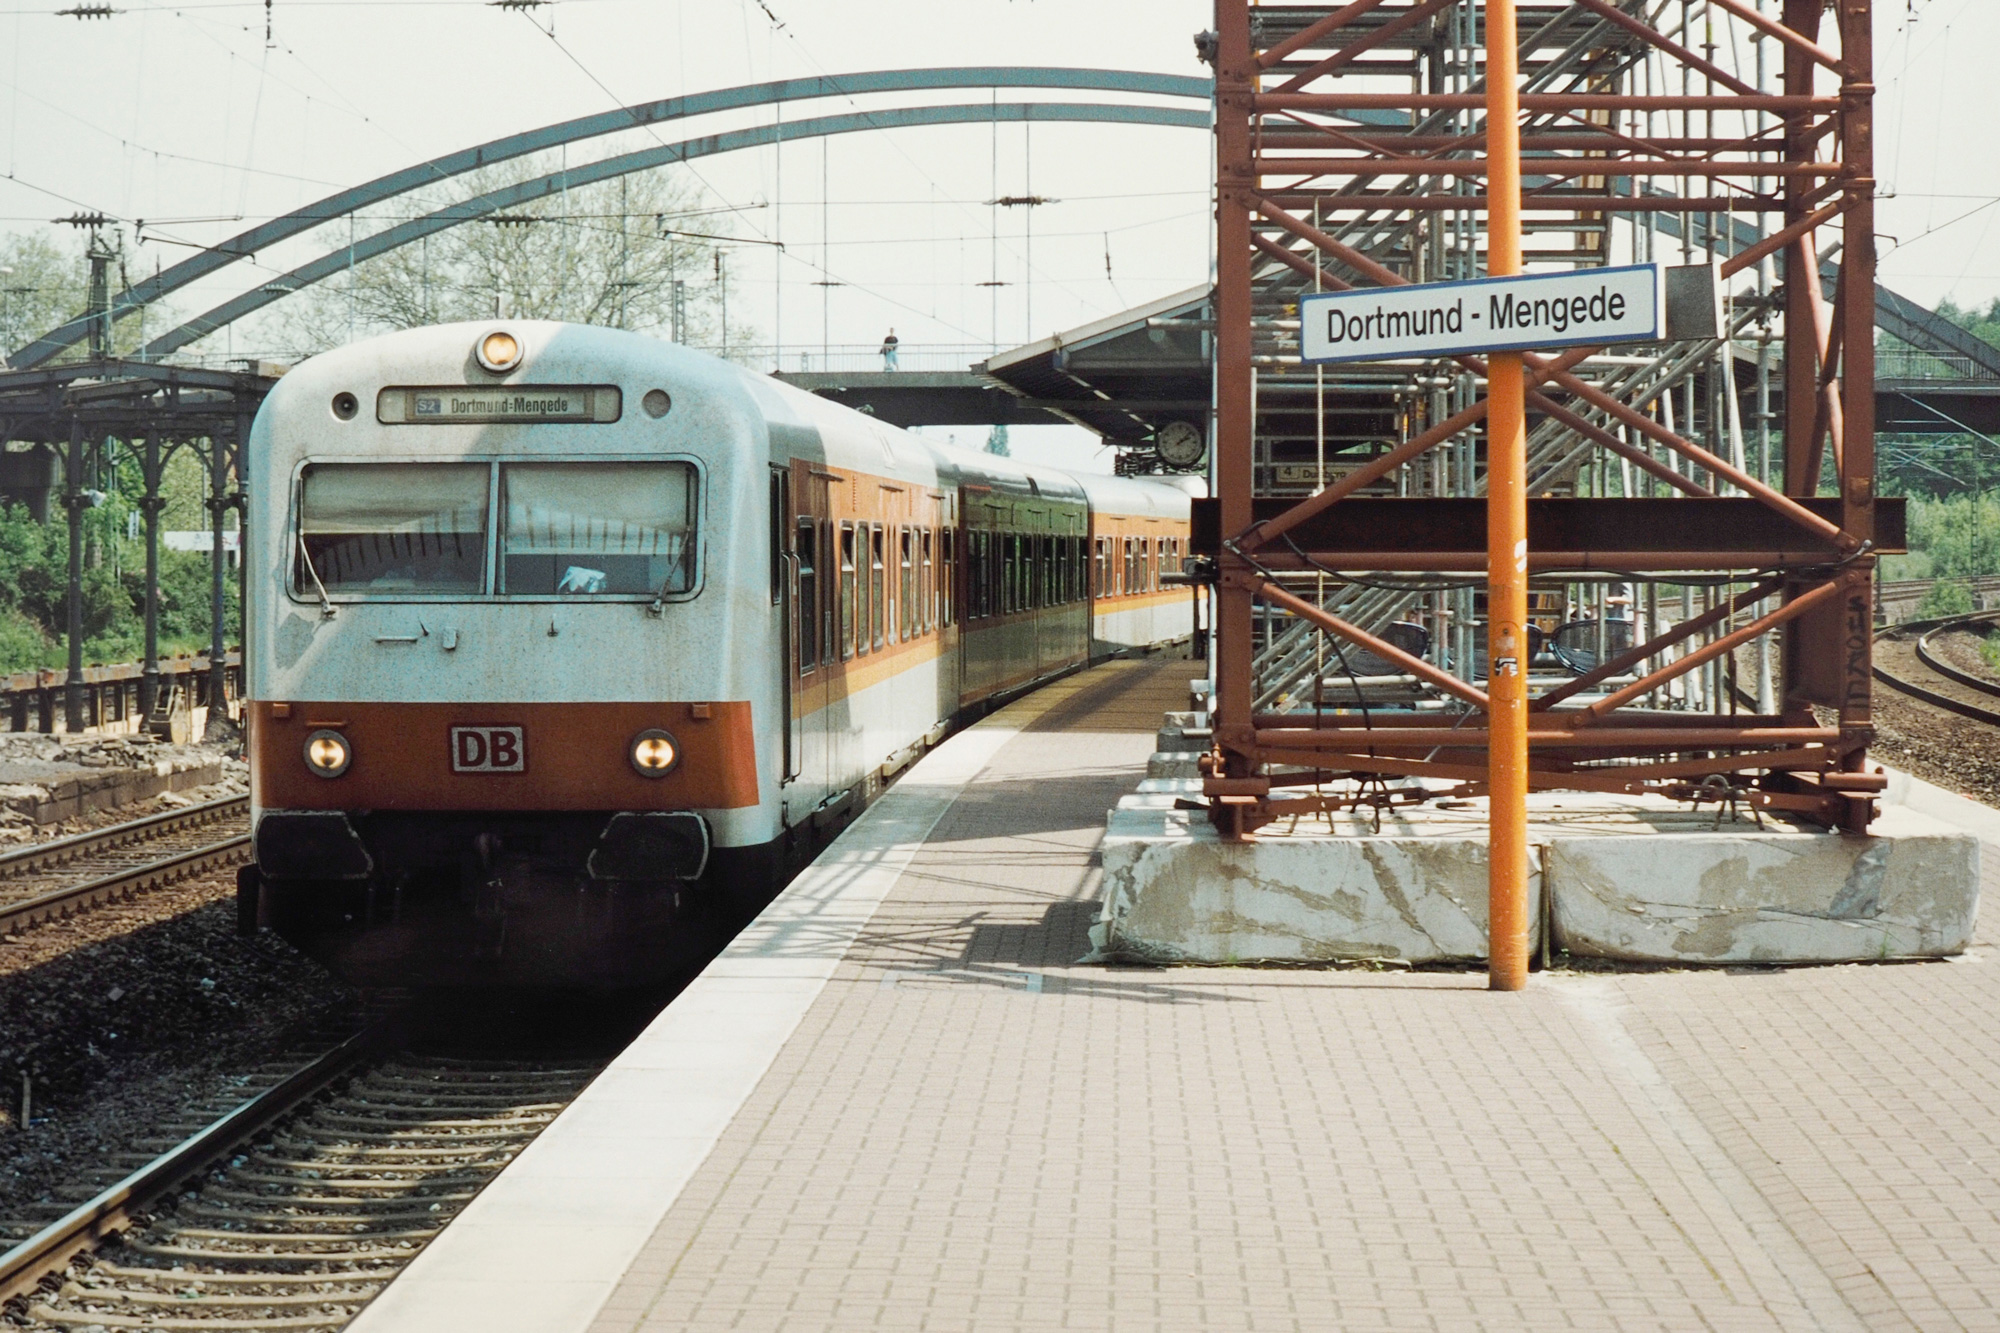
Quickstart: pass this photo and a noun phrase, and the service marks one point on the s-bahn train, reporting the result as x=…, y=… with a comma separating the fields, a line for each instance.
x=566, y=644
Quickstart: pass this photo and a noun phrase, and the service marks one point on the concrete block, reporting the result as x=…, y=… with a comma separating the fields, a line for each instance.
x=1174, y=764
x=1173, y=739
x=1175, y=892
x=1781, y=895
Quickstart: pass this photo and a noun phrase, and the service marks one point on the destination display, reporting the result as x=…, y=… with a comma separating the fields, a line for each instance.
x=462, y=403
x=1589, y=306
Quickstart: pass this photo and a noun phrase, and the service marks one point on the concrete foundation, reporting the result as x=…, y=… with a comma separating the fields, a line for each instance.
x=1634, y=878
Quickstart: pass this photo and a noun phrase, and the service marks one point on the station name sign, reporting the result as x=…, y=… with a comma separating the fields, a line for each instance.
x=1598, y=305
x=458, y=404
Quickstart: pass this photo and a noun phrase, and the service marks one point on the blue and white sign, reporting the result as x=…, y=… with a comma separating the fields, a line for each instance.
x=1578, y=309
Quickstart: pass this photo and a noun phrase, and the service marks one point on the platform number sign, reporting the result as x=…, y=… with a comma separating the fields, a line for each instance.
x=489, y=750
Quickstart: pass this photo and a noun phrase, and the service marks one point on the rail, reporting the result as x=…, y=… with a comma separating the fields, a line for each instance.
x=84, y=1227
x=1899, y=599
x=128, y=881
x=1933, y=697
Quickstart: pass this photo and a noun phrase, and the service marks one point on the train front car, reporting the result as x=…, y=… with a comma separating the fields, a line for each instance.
x=509, y=656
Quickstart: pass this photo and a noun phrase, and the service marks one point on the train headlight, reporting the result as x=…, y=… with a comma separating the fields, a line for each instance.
x=654, y=753
x=328, y=753
x=499, y=351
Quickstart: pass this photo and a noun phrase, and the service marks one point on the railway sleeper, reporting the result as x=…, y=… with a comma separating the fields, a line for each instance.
x=305, y=1218
x=404, y=1097
x=66, y=1319
x=421, y=1081
x=183, y=1277
x=313, y=1133
x=389, y=1175
x=282, y=1239
x=230, y=1194
x=301, y=1301
x=176, y=1254
x=347, y=1148
x=429, y=1119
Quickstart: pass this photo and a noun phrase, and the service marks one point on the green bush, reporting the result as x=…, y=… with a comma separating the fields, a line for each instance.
x=34, y=578
x=24, y=645
x=1947, y=597
x=1960, y=535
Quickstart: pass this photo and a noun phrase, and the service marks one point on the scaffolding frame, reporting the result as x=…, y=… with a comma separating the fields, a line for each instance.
x=1349, y=153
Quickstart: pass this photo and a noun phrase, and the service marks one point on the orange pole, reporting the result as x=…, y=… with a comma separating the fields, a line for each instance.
x=1506, y=533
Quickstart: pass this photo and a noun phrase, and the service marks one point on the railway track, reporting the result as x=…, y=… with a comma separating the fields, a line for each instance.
x=291, y=1210
x=1942, y=698
x=55, y=879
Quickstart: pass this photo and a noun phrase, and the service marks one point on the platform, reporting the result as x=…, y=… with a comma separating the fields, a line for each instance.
x=900, y=1102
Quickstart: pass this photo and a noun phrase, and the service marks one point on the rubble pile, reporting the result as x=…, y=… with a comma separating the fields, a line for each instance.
x=53, y=785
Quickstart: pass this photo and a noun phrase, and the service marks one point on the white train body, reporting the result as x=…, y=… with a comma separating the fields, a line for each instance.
x=553, y=657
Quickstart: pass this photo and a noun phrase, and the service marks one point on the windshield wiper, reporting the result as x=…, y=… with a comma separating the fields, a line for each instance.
x=326, y=607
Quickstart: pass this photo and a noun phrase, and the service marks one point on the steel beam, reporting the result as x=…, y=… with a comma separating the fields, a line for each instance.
x=343, y=203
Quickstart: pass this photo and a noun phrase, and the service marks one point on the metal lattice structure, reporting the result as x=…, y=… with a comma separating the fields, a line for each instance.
x=1704, y=523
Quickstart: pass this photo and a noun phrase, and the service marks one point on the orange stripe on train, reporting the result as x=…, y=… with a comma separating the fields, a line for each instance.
x=577, y=757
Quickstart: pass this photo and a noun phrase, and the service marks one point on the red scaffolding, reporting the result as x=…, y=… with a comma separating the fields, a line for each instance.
x=1350, y=153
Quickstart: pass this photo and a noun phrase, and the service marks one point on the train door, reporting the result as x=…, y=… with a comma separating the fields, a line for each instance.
x=813, y=654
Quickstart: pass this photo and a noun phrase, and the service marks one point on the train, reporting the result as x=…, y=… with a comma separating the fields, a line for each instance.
x=566, y=646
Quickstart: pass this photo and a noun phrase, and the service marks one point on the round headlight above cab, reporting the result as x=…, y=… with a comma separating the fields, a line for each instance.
x=654, y=753
x=328, y=754
x=499, y=351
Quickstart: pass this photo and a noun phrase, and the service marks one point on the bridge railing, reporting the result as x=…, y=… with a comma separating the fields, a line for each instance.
x=850, y=357
x=1908, y=363
x=33, y=700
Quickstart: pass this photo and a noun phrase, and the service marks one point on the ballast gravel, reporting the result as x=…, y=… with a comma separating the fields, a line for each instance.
x=123, y=1016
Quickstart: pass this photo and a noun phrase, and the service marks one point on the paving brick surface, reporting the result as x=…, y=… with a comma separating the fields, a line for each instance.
x=972, y=1130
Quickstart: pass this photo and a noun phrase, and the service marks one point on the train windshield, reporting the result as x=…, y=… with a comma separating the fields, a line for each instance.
x=392, y=528
x=582, y=529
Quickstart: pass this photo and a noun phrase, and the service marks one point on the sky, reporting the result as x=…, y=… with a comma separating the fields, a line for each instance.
x=187, y=117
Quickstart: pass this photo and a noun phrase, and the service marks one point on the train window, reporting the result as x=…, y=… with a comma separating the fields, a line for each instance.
x=998, y=569
x=877, y=583
x=806, y=544
x=577, y=529
x=947, y=574
x=930, y=615
x=1098, y=569
x=996, y=573
x=781, y=505
x=829, y=639
x=986, y=576
x=848, y=609
x=974, y=561
x=1011, y=596
x=388, y=529
x=863, y=588
x=912, y=605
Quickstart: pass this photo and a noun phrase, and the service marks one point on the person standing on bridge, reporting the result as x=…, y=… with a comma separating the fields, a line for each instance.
x=889, y=351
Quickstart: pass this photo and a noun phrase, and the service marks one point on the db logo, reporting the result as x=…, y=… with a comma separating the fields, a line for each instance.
x=489, y=750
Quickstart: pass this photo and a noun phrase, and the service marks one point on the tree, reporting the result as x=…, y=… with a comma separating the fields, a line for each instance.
x=996, y=442
x=42, y=286
x=610, y=253
x=1985, y=323
x=45, y=283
